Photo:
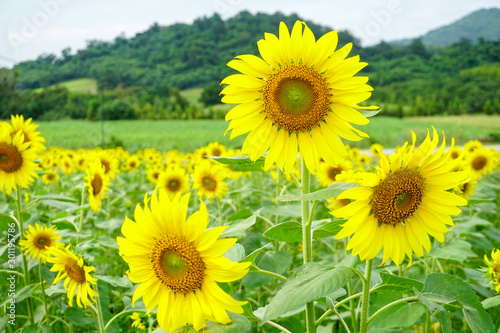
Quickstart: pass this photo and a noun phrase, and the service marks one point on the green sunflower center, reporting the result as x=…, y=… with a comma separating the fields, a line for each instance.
x=173, y=185
x=209, y=183
x=296, y=97
x=398, y=196
x=74, y=271
x=177, y=264
x=11, y=159
x=96, y=184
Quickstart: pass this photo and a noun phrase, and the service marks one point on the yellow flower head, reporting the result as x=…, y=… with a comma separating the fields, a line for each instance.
x=494, y=269
x=328, y=174
x=208, y=179
x=38, y=240
x=17, y=166
x=98, y=183
x=172, y=181
x=109, y=161
x=216, y=149
x=481, y=161
x=376, y=149
x=177, y=263
x=131, y=164
x=29, y=131
x=77, y=279
x=153, y=173
x=405, y=202
x=301, y=96
x=50, y=177
x=472, y=145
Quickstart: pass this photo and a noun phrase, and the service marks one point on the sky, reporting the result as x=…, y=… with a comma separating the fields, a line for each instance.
x=29, y=28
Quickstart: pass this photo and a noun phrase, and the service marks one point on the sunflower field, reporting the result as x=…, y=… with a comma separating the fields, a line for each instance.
x=295, y=232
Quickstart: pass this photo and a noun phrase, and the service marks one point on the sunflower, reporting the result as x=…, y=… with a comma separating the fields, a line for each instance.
x=110, y=163
x=131, y=164
x=405, y=202
x=67, y=165
x=29, y=131
x=376, y=149
x=50, y=177
x=98, y=183
x=216, y=149
x=472, y=145
x=494, y=269
x=17, y=166
x=300, y=96
x=178, y=263
x=174, y=180
x=38, y=240
x=77, y=276
x=466, y=189
x=327, y=174
x=208, y=179
x=152, y=174
x=481, y=161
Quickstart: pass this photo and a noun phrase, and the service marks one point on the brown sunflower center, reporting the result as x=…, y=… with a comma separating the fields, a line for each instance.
x=296, y=97
x=174, y=184
x=106, y=165
x=50, y=176
x=333, y=172
x=96, y=184
x=41, y=241
x=132, y=164
x=398, y=196
x=177, y=263
x=11, y=159
x=209, y=183
x=454, y=155
x=74, y=271
x=216, y=152
x=479, y=162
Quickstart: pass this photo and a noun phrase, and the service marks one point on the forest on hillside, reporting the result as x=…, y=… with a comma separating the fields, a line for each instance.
x=140, y=77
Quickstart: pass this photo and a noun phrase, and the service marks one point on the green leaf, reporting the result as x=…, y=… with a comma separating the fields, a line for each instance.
x=77, y=316
x=114, y=281
x=252, y=256
x=238, y=229
x=445, y=288
x=457, y=250
x=307, y=283
x=397, y=284
x=20, y=294
x=110, y=225
x=491, y=302
x=238, y=324
x=400, y=315
x=369, y=113
x=138, y=305
x=55, y=289
x=235, y=253
x=240, y=215
x=37, y=329
x=285, y=232
x=328, y=229
x=332, y=191
x=240, y=163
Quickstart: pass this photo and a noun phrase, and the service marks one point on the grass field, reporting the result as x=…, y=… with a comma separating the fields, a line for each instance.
x=85, y=85
x=187, y=135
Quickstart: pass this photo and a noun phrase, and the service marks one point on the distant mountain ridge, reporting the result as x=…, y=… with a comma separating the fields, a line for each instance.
x=484, y=23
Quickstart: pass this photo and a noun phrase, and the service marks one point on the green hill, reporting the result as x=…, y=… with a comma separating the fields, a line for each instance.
x=484, y=23
x=84, y=85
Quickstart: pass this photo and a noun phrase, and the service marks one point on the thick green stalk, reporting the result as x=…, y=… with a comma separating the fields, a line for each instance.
x=25, y=262
x=99, y=312
x=307, y=240
x=363, y=326
x=43, y=292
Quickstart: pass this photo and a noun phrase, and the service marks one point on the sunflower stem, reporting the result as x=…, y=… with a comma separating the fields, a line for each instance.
x=306, y=239
x=219, y=206
x=43, y=293
x=264, y=272
x=363, y=325
x=382, y=309
x=99, y=311
x=25, y=262
x=82, y=202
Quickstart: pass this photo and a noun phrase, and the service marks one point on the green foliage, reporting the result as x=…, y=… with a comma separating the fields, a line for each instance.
x=211, y=94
